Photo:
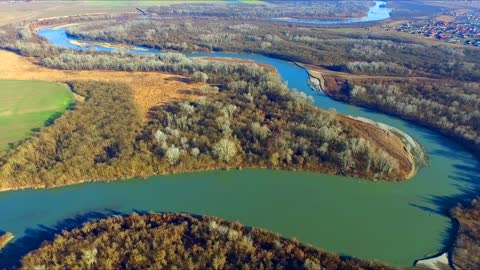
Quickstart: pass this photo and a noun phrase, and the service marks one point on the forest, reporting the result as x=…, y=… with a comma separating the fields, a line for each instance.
x=180, y=241
x=467, y=248
x=452, y=107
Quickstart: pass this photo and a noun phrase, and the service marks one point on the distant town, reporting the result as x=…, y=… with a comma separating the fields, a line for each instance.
x=453, y=27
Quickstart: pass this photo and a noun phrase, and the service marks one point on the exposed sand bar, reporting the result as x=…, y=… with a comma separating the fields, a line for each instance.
x=439, y=262
x=5, y=238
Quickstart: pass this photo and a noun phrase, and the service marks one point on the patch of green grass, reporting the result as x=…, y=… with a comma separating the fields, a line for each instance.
x=29, y=105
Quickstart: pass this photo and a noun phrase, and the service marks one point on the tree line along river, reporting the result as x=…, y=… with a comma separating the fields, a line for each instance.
x=395, y=223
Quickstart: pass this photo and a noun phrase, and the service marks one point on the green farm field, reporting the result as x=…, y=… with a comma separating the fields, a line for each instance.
x=28, y=105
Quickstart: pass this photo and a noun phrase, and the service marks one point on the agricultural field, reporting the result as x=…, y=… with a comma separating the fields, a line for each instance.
x=29, y=105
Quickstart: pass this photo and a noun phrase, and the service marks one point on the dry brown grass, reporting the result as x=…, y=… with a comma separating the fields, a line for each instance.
x=150, y=88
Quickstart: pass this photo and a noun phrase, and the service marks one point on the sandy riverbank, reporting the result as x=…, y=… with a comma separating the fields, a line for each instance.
x=439, y=262
x=418, y=155
x=5, y=238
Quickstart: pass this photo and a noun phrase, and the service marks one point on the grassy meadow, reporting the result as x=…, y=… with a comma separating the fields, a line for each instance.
x=28, y=105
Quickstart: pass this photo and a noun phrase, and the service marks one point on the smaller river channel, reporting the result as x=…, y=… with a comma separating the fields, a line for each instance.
x=377, y=12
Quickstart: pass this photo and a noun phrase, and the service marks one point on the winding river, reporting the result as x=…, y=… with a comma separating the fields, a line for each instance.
x=377, y=12
x=395, y=223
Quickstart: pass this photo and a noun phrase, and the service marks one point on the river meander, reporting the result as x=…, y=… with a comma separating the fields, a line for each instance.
x=377, y=12
x=391, y=222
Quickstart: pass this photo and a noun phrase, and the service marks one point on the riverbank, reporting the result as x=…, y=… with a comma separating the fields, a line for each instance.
x=104, y=45
x=397, y=143
x=5, y=239
x=416, y=156
x=408, y=151
x=336, y=85
x=439, y=262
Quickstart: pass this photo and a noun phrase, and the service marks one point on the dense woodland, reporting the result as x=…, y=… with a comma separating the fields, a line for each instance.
x=265, y=125
x=451, y=107
x=467, y=247
x=168, y=241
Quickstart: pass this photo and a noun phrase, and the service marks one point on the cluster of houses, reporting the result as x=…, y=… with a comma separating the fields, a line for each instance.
x=461, y=27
